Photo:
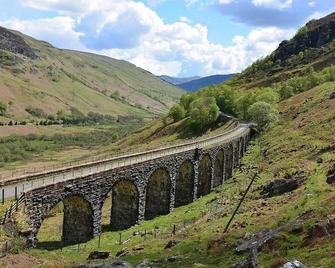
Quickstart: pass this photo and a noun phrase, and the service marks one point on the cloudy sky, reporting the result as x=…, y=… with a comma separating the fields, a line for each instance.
x=173, y=37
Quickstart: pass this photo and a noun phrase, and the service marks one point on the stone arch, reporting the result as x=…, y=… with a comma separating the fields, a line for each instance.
x=158, y=194
x=218, y=169
x=204, y=176
x=78, y=216
x=78, y=220
x=124, y=205
x=229, y=159
x=184, y=184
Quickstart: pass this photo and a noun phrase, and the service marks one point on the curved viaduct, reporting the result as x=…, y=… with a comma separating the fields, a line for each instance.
x=149, y=184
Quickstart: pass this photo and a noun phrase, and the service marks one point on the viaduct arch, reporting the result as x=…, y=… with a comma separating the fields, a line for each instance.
x=140, y=191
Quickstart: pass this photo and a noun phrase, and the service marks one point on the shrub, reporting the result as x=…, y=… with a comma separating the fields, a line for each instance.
x=177, y=112
x=204, y=111
x=37, y=112
x=263, y=114
x=3, y=108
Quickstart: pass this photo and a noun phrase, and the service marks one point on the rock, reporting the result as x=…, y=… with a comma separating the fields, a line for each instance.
x=332, y=95
x=14, y=43
x=122, y=253
x=257, y=240
x=144, y=264
x=172, y=259
x=224, y=118
x=98, y=255
x=293, y=264
x=247, y=263
x=138, y=248
x=280, y=186
x=171, y=244
x=331, y=175
x=115, y=264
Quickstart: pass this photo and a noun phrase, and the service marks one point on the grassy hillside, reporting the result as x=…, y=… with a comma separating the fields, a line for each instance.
x=36, y=75
x=302, y=141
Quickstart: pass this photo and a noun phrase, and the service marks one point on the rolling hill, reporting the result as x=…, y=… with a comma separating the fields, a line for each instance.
x=36, y=75
x=196, y=84
x=178, y=80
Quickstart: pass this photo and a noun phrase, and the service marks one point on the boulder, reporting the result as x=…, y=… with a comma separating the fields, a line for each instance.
x=332, y=95
x=280, y=186
x=95, y=255
x=115, y=264
x=171, y=244
x=293, y=264
x=331, y=175
x=122, y=253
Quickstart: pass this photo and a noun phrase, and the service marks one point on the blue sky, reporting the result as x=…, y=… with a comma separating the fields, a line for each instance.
x=173, y=37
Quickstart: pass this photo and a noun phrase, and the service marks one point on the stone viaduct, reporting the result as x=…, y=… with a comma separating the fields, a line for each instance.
x=140, y=191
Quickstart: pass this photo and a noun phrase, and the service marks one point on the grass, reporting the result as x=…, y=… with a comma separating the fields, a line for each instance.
x=275, y=154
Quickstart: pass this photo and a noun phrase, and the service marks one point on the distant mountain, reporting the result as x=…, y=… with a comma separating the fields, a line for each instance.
x=177, y=80
x=205, y=82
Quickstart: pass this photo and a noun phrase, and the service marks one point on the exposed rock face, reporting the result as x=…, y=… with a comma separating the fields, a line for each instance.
x=280, y=186
x=331, y=175
x=115, y=264
x=316, y=34
x=98, y=255
x=171, y=244
x=14, y=43
x=294, y=264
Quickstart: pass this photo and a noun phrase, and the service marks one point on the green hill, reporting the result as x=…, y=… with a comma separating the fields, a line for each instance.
x=35, y=75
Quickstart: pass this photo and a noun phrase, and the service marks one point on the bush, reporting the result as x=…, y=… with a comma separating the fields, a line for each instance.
x=177, y=112
x=263, y=114
x=37, y=112
x=3, y=108
x=204, y=112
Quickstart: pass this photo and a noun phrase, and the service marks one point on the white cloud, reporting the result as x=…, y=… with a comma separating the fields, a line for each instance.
x=161, y=48
x=58, y=30
x=279, y=4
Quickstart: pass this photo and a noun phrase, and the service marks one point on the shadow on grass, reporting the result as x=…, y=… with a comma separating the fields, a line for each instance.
x=50, y=245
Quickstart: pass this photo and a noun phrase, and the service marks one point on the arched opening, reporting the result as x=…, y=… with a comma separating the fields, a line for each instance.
x=204, y=178
x=229, y=162
x=218, y=169
x=68, y=222
x=122, y=206
x=158, y=194
x=184, y=184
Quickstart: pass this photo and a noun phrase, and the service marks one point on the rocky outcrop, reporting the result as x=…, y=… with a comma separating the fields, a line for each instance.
x=98, y=255
x=280, y=186
x=15, y=44
x=315, y=34
x=331, y=175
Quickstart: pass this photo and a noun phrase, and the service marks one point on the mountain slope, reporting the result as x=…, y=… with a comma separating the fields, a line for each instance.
x=313, y=45
x=205, y=82
x=176, y=80
x=35, y=74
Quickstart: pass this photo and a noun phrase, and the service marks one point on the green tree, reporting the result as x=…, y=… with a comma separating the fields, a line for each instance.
x=226, y=100
x=269, y=96
x=204, y=112
x=244, y=103
x=177, y=112
x=186, y=101
x=3, y=108
x=264, y=114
